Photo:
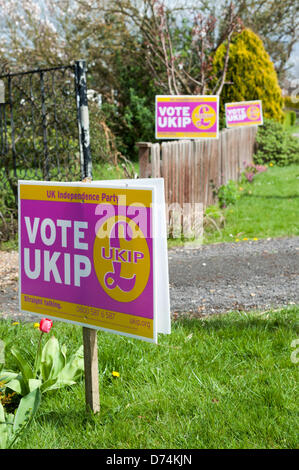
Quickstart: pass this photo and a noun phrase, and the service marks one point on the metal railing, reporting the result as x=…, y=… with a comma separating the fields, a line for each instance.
x=44, y=132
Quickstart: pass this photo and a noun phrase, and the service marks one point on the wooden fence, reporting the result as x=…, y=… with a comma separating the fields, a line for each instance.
x=193, y=169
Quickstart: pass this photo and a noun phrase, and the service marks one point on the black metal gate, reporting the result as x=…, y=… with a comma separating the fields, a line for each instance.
x=44, y=132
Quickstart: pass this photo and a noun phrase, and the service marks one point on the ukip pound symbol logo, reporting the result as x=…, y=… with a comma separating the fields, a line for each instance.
x=121, y=258
x=204, y=117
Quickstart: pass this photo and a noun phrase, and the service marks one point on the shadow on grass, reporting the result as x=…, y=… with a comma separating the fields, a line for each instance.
x=291, y=196
x=240, y=321
x=80, y=418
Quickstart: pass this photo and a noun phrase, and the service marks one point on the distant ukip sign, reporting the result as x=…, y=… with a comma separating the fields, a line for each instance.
x=245, y=113
x=185, y=117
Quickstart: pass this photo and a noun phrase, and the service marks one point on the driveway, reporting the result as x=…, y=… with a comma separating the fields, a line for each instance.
x=206, y=280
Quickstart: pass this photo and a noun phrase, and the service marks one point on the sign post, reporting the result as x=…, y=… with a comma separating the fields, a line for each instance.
x=91, y=369
x=89, y=256
x=91, y=372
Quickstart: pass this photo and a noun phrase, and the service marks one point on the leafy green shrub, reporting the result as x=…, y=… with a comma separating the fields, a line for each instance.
x=228, y=194
x=293, y=117
x=275, y=145
x=289, y=119
x=133, y=122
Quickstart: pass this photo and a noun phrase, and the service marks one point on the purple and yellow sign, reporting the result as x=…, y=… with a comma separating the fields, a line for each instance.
x=187, y=117
x=86, y=256
x=245, y=113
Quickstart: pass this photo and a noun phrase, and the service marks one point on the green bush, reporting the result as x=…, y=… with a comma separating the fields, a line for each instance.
x=275, y=145
x=228, y=194
x=289, y=119
x=293, y=118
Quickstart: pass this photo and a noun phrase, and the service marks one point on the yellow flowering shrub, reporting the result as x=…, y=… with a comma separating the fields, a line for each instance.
x=252, y=74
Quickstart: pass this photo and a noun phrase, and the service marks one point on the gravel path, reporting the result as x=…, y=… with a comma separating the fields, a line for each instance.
x=205, y=280
x=234, y=276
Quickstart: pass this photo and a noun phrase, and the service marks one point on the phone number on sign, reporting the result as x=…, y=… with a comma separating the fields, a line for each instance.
x=95, y=312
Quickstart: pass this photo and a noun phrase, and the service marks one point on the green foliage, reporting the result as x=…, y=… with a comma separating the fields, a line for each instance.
x=12, y=425
x=218, y=381
x=289, y=119
x=275, y=145
x=132, y=121
x=251, y=74
x=213, y=211
x=228, y=194
x=139, y=118
x=51, y=370
x=293, y=118
x=267, y=208
x=289, y=102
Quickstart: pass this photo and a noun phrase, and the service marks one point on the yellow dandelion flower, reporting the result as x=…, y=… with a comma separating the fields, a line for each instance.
x=237, y=240
x=270, y=164
x=36, y=325
x=115, y=373
x=245, y=238
x=15, y=323
x=255, y=239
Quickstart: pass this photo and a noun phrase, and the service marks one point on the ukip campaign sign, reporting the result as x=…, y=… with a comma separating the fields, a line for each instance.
x=187, y=117
x=245, y=113
x=88, y=255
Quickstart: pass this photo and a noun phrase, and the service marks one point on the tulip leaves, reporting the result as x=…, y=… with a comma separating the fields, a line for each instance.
x=23, y=364
x=51, y=370
x=56, y=371
x=52, y=359
x=11, y=425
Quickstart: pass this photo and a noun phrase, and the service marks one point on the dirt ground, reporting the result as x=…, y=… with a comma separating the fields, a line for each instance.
x=205, y=280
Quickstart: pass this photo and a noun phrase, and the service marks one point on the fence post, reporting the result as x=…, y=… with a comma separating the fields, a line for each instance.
x=83, y=118
x=143, y=156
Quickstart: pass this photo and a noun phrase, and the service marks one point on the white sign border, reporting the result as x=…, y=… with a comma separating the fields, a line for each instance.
x=247, y=125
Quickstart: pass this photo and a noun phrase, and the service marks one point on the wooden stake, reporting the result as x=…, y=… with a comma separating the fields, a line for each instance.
x=92, y=394
x=91, y=371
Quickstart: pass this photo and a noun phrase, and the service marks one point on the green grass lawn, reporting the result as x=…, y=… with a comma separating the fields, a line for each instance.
x=225, y=381
x=108, y=171
x=268, y=207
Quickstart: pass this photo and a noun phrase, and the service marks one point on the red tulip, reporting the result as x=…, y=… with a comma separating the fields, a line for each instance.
x=45, y=325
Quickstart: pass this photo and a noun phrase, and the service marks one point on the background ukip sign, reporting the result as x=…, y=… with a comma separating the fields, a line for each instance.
x=245, y=113
x=185, y=117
